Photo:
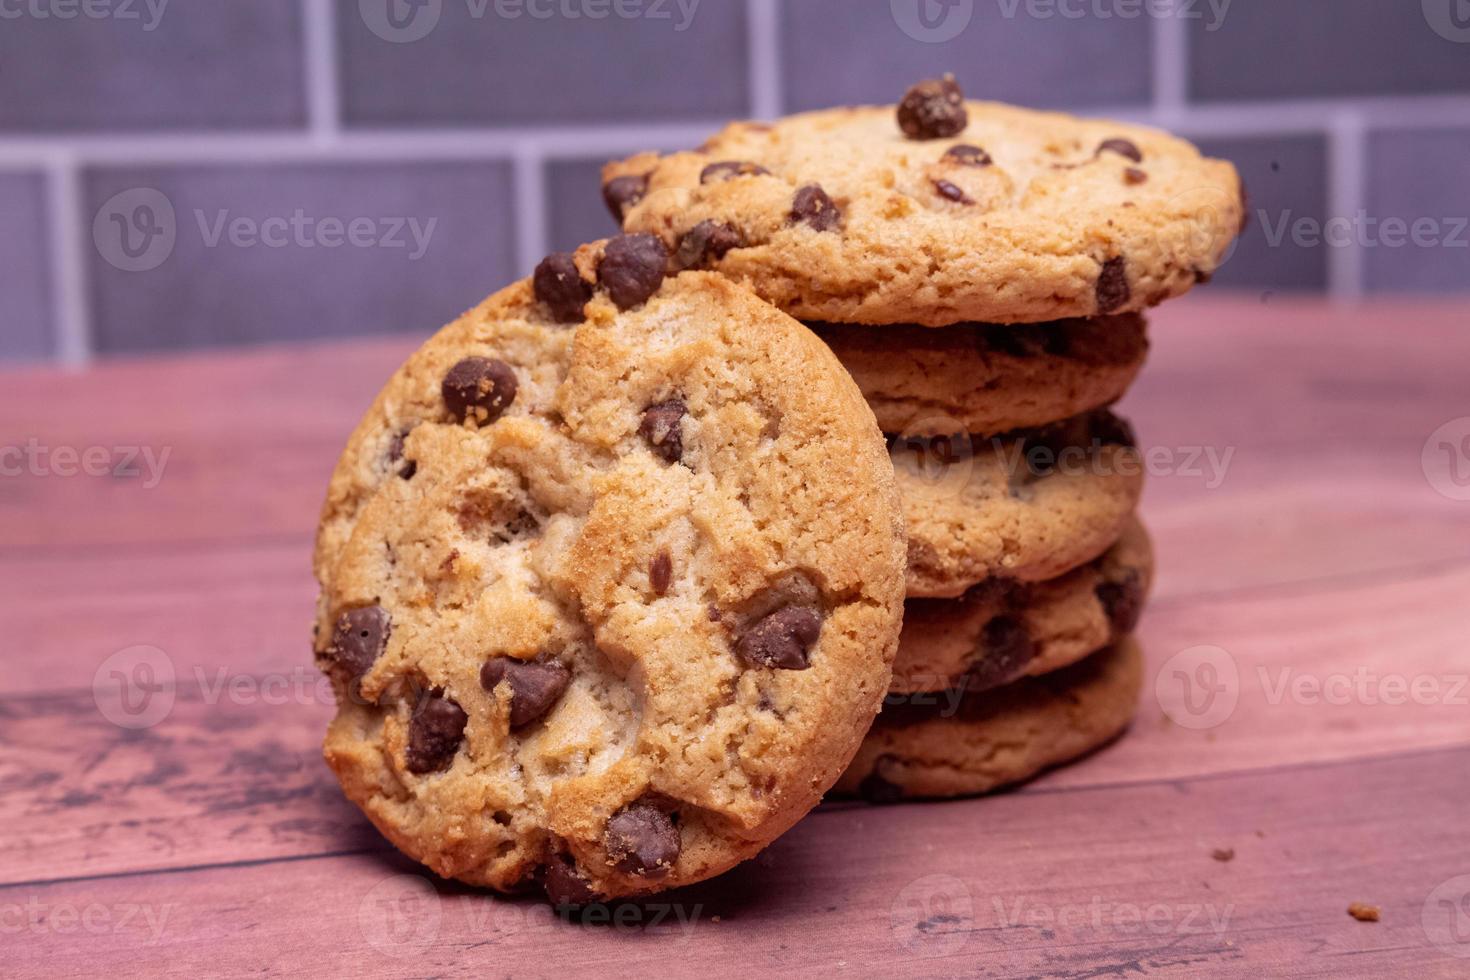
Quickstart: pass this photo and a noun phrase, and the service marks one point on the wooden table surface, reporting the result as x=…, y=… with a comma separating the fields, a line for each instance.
x=166, y=810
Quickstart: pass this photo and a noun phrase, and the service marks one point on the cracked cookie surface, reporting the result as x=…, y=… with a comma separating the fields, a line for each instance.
x=1000, y=631
x=1025, y=506
x=998, y=737
x=989, y=378
x=612, y=573
x=1004, y=215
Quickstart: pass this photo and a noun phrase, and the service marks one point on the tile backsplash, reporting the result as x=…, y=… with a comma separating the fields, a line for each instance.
x=179, y=174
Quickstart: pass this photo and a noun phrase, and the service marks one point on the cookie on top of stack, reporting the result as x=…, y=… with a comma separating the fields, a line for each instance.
x=982, y=271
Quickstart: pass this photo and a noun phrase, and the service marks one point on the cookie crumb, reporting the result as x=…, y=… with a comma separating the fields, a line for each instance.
x=1223, y=854
x=1363, y=912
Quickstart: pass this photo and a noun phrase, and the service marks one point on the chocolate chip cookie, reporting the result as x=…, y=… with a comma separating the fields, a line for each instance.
x=1000, y=631
x=997, y=737
x=941, y=211
x=1026, y=506
x=612, y=575
x=989, y=378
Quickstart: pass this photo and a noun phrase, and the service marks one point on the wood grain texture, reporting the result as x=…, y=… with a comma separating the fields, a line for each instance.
x=1321, y=563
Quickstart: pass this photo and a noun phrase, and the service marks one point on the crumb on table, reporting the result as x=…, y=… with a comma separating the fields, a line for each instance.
x=1223, y=854
x=1363, y=912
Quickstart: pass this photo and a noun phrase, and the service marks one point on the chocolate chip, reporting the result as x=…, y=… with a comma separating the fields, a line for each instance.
x=706, y=240
x=1122, y=147
x=1134, y=176
x=967, y=155
x=782, y=639
x=434, y=734
x=875, y=789
x=952, y=192
x=1113, y=292
x=1202, y=277
x=933, y=109
x=1004, y=650
x=560, y=286
x=395, y=457
x=480, y=388
x=642, y=840
x=566, y=885
x=813, y=207
x=1122, y=601
x=359, y=639
x=663, y=428
x=729, y=170
x=661, y=573
x=534, y=686
x=632, y=268
x=622, y=193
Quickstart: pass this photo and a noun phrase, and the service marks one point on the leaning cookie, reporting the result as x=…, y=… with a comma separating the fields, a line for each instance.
x=612, y=575
x=942, y=211
x=1025, y=506
x=989, y=378
x=997, y=737
x=1000, y=631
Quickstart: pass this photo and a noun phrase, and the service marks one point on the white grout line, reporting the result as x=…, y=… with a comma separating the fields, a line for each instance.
x=1346, y=196
x=529, y=189
x=273, y=145
x=1170, y=63
x=320, y=45
x=68, y=232
x=763, y=38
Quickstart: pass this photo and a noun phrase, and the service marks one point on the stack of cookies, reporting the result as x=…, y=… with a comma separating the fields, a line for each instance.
x=981, y=271
x=614, y=573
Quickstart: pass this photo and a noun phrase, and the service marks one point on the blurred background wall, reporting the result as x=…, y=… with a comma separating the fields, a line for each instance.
x=179, y=174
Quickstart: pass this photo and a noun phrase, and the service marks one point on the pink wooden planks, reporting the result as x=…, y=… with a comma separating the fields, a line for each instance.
x=1107, y=881
x=1323, y=555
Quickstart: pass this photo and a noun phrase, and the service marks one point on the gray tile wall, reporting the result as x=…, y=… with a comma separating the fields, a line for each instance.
x=244, y=254
x=25, y=279
x=491, y=117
